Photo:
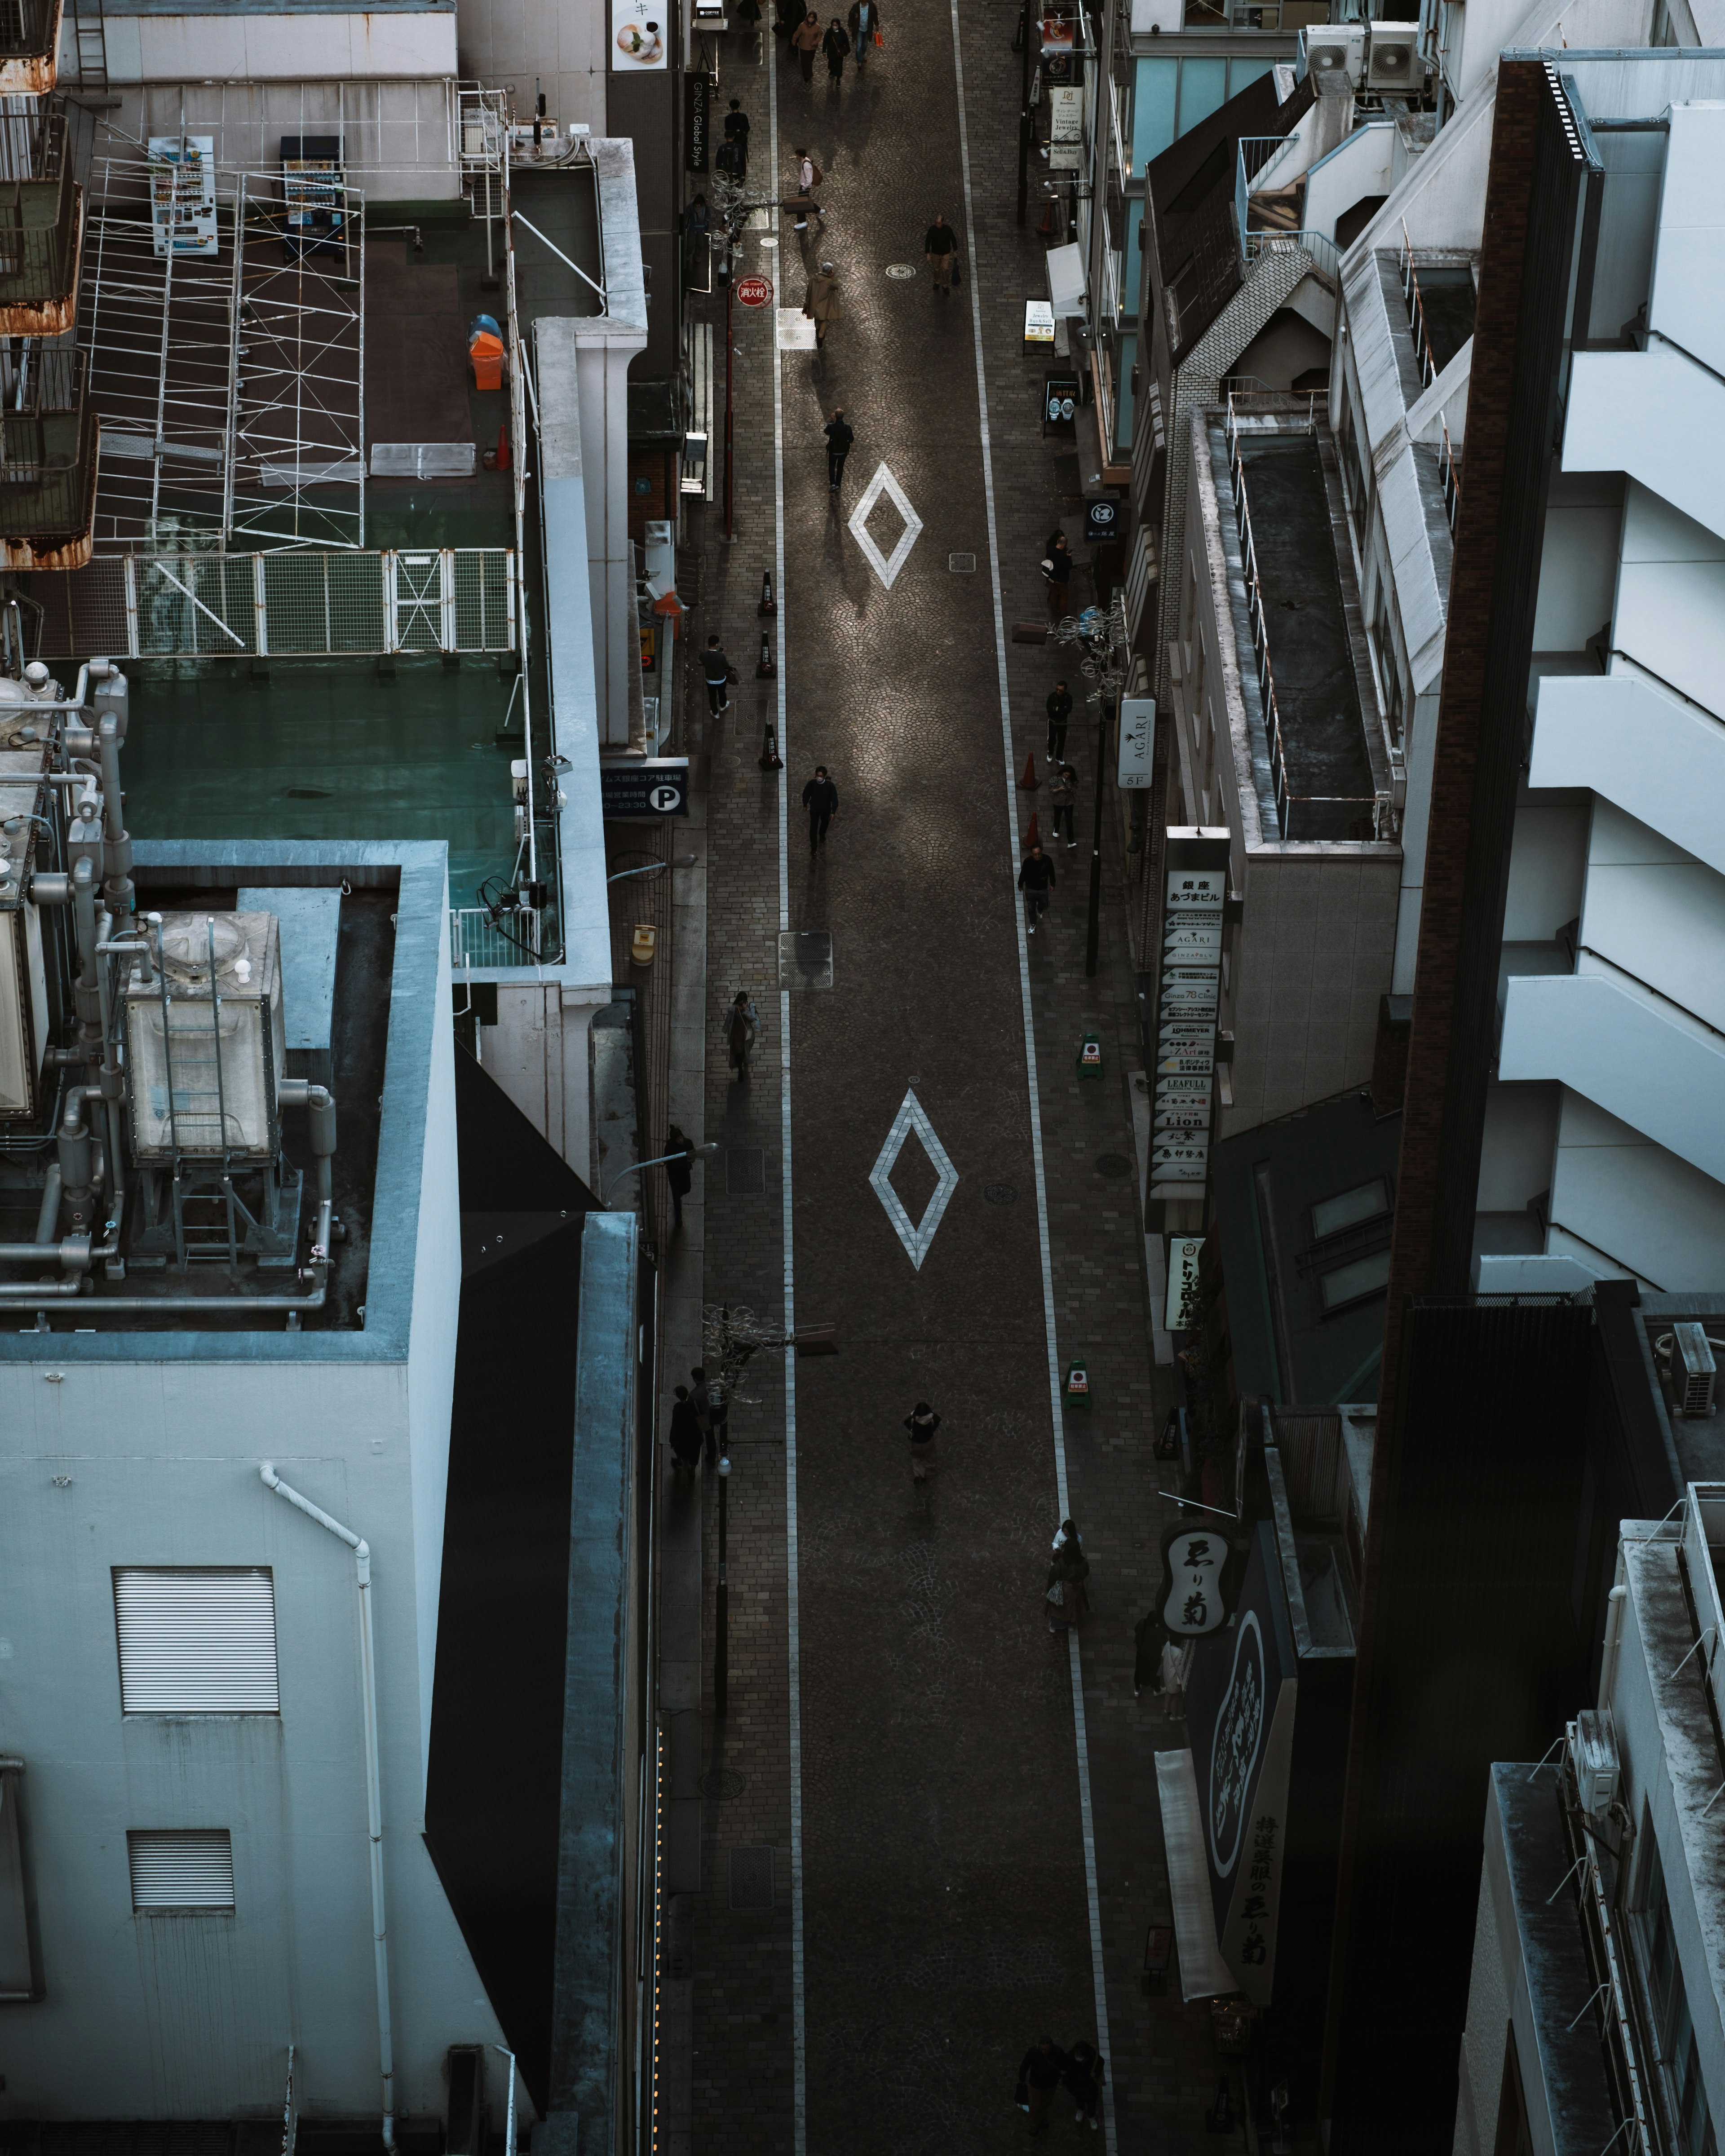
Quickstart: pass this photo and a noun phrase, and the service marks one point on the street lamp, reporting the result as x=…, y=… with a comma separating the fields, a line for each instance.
x=721, y=1604
x=652, y=868
x=1103, y=642
x=698, y=1153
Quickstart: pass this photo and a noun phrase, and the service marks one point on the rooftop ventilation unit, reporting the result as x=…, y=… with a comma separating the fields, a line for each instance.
x=204, y=1040
x=1592, y=1753
x=1336, y=49
x=1393, y=57
x=1692, y=1370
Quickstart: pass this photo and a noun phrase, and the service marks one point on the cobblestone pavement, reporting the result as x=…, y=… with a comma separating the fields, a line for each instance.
x=946, y=1914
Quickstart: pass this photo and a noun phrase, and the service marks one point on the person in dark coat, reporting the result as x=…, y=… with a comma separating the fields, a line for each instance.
x=921, y=1423
x=836, y=45
x=940, y=250
x=1063, y=1597
x=820, y=798
x=685, y=1432
x=1057, y=570
x=742, y=1025
x=712, y=1409
x=715, y=672
x=1063, y=800
x=678, y=1170
x=1039, y=2077
x=863, y=21
x=1036, y=879
x=786, y=16
x=839, y=436
x=1060, y=715
x=1086, y=2070
x=736, y=128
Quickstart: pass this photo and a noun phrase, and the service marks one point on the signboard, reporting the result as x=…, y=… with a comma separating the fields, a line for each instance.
x=1067, y=284
x=1194, y=1597
x=1101, y=520
x=645, y=789
x=1065, y=127
x=1240, y=1702
x=1187, y=1004
x=182, y=194
x=754, y=291
x=1060, y=399
x=1039, y=322
x=697, y=121
x=638, y=32
x=1138, y=751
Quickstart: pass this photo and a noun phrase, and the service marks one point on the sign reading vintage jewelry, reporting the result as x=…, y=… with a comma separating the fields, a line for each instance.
x=1186, y=1028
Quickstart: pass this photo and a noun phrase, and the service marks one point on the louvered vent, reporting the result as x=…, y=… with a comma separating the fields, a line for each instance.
x=191, y=1868
x=196, y=1639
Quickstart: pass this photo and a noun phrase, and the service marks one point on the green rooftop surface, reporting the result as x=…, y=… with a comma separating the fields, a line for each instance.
x=328, y=750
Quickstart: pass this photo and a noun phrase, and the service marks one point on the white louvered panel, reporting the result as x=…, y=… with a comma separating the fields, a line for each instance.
x=181, y=1869
x=196, y=1639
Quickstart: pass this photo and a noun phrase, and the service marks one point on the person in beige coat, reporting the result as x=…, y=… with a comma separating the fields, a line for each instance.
x=823, y=302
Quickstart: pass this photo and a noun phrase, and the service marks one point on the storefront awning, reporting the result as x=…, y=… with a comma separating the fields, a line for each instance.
x=1202, y=1972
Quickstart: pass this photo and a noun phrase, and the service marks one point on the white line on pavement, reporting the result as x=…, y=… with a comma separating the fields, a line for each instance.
x=799, y=2040
x=1048, y=1308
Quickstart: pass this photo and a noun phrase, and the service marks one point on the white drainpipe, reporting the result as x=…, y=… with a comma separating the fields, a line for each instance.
x=374, y=1789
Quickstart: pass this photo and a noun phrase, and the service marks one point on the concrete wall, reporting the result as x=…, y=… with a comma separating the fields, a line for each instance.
x=567, y=49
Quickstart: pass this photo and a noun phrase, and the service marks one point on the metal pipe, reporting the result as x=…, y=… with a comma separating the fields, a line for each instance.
x=48, y=1218
x=374, y=1792
x=117, y=887
x=170, y=1306
x=71, y=1253
x=509, y=2116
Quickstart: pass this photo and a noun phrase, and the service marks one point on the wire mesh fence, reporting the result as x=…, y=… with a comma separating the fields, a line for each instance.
x=289, y=605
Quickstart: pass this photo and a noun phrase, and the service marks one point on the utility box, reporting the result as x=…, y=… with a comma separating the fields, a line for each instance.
x=204, y=1040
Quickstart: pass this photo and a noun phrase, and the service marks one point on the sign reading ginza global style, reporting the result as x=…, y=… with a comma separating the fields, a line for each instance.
x=1186, y=1027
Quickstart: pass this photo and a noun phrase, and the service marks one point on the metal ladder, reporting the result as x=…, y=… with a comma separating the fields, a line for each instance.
x=89, y=35
x=212, y=1239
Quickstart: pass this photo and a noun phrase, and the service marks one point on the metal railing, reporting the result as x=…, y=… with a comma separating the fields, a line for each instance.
x=27, y=28
x=1416, y=313
x=1232, y=15
x=1253, y=153
x=1326, y=262
x=1287, y=801
x=47, y=448
x=1449, y=473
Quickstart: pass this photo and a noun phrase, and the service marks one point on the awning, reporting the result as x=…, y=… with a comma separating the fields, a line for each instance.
x=1202, y=1972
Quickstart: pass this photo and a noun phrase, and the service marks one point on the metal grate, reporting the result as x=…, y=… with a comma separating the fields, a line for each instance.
x=292, y=605
x=188, y=1869
x=480, y=938
x=751, y=1879
x=962, y=565
x=196, y=1639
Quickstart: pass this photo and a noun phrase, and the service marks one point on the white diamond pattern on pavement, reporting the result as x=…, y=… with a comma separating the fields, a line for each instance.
x=886, y=566
x=917, y=1237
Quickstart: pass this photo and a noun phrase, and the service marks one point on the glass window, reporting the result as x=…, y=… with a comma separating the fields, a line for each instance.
x=1154, y=102
x=1330, y=1215
x=1203, y=89
x=1123, y=394
x=1351, y=1282
x=1134, y=267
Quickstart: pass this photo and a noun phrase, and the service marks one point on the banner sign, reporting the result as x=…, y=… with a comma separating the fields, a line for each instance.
x=697, y=119
x=647, y=787
x=639, y=35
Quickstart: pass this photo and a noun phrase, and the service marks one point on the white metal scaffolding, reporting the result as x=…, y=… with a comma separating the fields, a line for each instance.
x=229, y=386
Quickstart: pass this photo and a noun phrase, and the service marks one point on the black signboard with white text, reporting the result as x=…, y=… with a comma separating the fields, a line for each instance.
x=644, y=789
x=697, y=118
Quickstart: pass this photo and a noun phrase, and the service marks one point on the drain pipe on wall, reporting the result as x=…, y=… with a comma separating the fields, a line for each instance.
x=374, y=1792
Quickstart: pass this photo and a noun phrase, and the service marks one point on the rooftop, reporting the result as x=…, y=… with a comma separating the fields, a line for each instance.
x=1319, y=769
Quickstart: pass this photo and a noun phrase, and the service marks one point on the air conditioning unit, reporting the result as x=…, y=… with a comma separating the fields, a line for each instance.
x=1393, y=57
x=1592, y=1754
x=1692, y=1370
x=1336, y=49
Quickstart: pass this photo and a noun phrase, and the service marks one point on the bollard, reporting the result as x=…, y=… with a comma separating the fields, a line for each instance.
x=768, y=671
x=768, y=603
x=770, y=758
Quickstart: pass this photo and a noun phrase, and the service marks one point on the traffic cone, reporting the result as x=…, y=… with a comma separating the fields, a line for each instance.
x=503, y=447
x=769, y=605
x=768, y=671
x=1030, y=782
x=1032, y=837
x=770, y=758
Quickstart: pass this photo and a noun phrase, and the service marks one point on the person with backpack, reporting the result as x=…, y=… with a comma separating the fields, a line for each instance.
x=810, y=177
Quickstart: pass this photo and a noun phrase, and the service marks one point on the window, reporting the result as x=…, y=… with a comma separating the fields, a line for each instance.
x=1364, y=1202
x=196, y=1639
x=1354, y=1281
x=1678, y=2051
x=182, y=1869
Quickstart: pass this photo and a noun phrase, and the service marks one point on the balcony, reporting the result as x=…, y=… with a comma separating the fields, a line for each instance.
x=47, y=462
x=30, y=47
x=41, y=226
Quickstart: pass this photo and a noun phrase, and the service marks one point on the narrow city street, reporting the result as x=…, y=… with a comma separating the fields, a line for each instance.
x=959, y=1806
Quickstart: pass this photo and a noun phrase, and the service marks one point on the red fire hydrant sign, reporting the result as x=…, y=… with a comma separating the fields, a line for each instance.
x=755, y=291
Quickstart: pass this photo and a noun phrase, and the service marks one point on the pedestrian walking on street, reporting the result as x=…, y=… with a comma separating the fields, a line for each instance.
x=1060, y=715
x=737, y=130
x=823, y=301
x=715, y=668
x=1039, y=2077
x=810, y=177
x=710, y=1393
x=1063, y=799
x=1063, y=1596
x=923, y=1422
x=865, y=23
x=820, y=798
x=805, y=43
x=742, y=1027
x=1036, y=879
x=786, y=15
x=1057, y=571
x=1086, y=2070
x=678, y=1170
x=1176, y=1663
x=839, y=437
x=940, y=250
x=836, y=45
x=685, y=1433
